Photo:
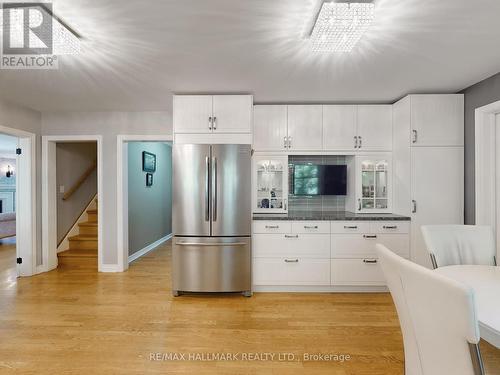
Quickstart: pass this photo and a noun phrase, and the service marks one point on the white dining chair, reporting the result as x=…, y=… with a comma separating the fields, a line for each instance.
x=440, y=317
x=389, y=265
x=460, y=244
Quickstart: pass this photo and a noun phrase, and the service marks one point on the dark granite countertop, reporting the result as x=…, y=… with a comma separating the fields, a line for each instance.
x=329, y=216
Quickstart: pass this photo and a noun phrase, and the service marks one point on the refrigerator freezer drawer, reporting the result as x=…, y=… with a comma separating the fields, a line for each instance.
x=211, y=264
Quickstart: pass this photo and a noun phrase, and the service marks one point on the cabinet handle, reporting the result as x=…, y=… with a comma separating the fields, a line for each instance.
x=285, y=204
x=214, y=123
x=359, y=204
x=210, y=123
x=360, y=142
x=370, y=261
x=415, y=136
x=355, y=141
x=272, y=226
x=369, y=236
x=414, y=203
x=350, y=227
x=390, y=227
x=287, y=236
x=310, y=227
x=291, y=261
x=284, y=142
x=289, y=142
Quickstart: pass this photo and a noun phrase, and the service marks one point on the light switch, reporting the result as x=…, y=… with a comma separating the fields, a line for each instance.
x=61, y=189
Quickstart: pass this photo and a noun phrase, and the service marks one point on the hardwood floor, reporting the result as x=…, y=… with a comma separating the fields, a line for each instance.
x=65, y=322
x=8, y=270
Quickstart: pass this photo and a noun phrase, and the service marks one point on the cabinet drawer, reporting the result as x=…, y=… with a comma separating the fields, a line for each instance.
x=363, y=245
x=291, y=271
x=350, y=227
x=272, y=227
x=285, y=245
x=311, y=227
x=390, y=226
x=356, y=272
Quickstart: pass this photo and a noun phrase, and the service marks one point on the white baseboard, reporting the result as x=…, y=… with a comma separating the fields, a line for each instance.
x=148, y=248
x=318, y=289
x=110, y=268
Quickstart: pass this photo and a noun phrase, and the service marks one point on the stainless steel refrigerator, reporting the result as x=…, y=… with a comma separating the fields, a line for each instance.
x=211, y=218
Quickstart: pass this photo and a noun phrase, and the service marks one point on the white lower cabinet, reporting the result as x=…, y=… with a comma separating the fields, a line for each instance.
x=297, y=245
x=324, y=254
x=291, y=271
x=363, y=245
x=356, y=272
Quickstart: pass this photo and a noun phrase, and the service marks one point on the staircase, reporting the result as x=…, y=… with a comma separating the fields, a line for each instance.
x=82, y=252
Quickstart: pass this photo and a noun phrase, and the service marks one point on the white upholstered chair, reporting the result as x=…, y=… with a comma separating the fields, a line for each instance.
x=459, y=244
x=438, y=318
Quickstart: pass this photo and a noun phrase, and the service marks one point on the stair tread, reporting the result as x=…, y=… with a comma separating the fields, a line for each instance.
x=78, y=253
x=83, y=237
x=88, y=224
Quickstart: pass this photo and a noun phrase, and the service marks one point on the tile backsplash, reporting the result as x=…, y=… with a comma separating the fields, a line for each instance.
x=315, y=203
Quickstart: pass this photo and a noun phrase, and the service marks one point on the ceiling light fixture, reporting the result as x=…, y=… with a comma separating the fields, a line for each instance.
x=65, y=40
x=340, y=25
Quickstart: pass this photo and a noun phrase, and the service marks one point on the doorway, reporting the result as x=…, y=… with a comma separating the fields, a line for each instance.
x=72, y=202
x=132, y=187
x=18, y=204
x=8, y=216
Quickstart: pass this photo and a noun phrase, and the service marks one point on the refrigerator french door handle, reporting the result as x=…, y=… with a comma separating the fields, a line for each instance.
x=207, y=188
x=214, y=190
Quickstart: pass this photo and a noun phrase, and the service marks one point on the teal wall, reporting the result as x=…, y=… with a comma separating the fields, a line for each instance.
x=149, y=208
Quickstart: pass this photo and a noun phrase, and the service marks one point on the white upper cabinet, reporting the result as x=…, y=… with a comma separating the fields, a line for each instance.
x=437, y=120
x=232, y=113
x=339, y=127
x=192, y=113
x=270, y=127
x=212, y=114
x=305, y=127
x=374, y=128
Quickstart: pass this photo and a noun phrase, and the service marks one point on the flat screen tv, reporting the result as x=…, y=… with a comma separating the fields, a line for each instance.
x=314, y=179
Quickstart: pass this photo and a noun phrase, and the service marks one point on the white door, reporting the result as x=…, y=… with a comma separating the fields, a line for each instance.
x=305, y=127
x=373, y=183
x=232, y=113
x=25, y=222
x=375, y=127
x=437, y=192
x=192, y=113
x=269, y=127
x=339, y=127
x=437, y=120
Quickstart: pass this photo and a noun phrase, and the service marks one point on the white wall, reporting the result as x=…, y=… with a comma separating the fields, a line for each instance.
x=22, y=118
x=109, y=125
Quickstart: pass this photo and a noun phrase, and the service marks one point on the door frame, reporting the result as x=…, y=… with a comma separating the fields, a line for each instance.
x=26, y=201
x=49, y=197
x=487, y=167
x=122, y=190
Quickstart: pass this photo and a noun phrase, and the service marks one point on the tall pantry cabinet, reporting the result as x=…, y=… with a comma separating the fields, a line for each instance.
x=428, y=164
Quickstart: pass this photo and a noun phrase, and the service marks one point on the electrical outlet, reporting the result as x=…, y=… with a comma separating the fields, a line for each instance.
x=61, y=189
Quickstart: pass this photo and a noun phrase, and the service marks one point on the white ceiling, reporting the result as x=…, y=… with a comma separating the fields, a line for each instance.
x=138, y=52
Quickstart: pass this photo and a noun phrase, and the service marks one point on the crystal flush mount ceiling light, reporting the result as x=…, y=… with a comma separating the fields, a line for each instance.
x=340, y=25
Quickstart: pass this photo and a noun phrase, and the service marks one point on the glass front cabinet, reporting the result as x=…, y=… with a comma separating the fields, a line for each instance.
x=270, y=180
x=373, y=184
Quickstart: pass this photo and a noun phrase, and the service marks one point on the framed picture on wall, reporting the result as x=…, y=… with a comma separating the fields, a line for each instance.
x=149, y=179
x=148, y=162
